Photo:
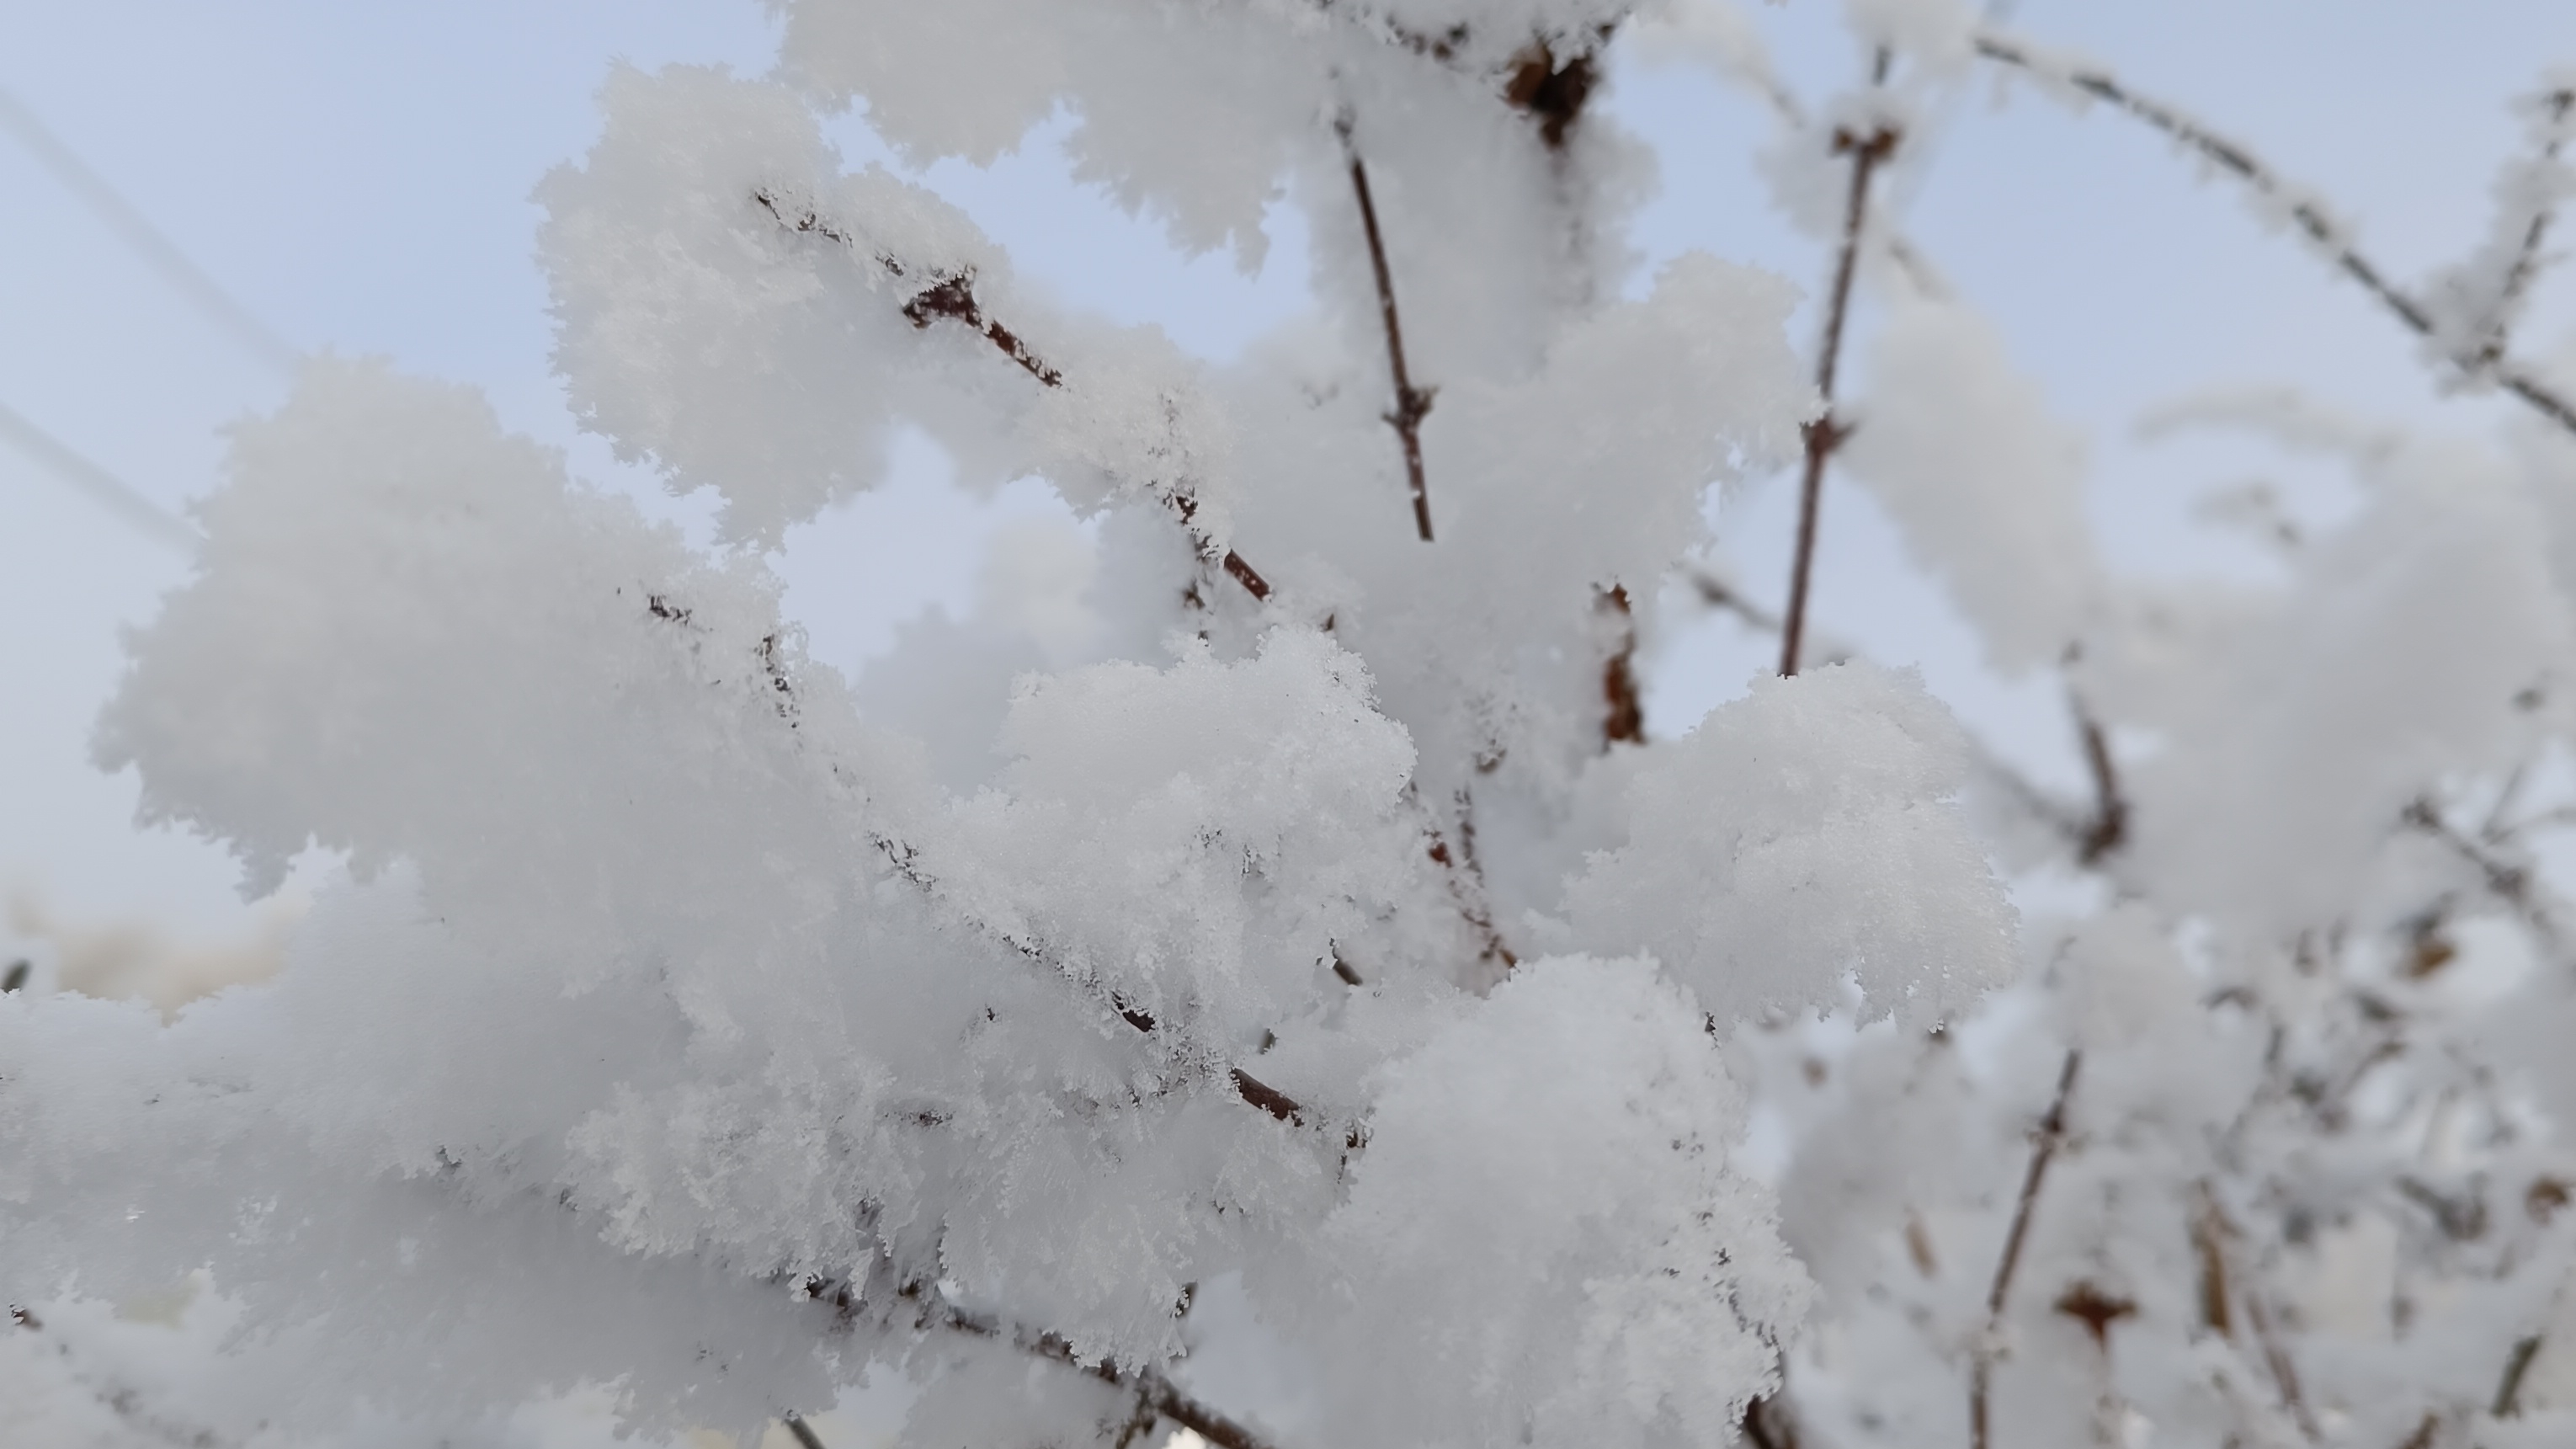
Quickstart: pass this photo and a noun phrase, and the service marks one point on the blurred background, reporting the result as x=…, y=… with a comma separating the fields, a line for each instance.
x=194, y=194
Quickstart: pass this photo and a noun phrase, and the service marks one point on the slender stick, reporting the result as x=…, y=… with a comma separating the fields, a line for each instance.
x=1826, y=434
x=2513, y=376
x=2508, y=1394
x=1153, y=1390
x=802, y=1432
x=1412, y=404
x=1623, y=717
x=2110, y=826
x=2525, y=266
x=953, y=298
x=2052, y=1132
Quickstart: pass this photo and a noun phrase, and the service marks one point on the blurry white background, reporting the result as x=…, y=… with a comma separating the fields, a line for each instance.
x=356, y=178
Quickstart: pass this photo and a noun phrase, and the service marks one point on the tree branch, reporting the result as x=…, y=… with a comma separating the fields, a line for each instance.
x=906, y=860
x=1154, y=1391
x=1412, y=404
x=1623, y=718
x=2109, y=829
x=2052, y=1132
x=951, y=297
x=2508, y=1394
x=2509, y=883
x=2303, y=212
x=2525, y=266
x=1826, y=433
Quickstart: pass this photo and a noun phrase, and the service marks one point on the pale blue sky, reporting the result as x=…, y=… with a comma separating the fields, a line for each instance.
x=357, y=176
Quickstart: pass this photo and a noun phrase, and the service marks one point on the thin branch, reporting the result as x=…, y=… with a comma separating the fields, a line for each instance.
x=2304, y=213
x=2052, y=1133
x=1826, y=433
x=2210, y=1232
x=1412, y=404
x=2110, y=826
x=951, y=297
x=2525, y=266
x=2508, y=1394
x=2509, y=883
x=1152, y=1388
x=2285, y=1370
x=907, y=862
x=802, y=1432
x=1623, y=719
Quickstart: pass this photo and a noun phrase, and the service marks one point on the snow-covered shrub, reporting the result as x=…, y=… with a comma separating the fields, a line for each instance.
x=1316, y=1014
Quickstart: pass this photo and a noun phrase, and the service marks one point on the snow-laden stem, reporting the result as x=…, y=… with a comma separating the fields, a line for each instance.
x=2525, y=266
x=1826, y=433
x=2052, y=1133
x=2302, y=211
x=953, y=298
x=1412, y=404
x=1155, y=1393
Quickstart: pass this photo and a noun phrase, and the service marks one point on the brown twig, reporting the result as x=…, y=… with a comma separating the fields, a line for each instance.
x=907, y=862
x=2110, y=825
x=2044, y=1145
x=1153, y=1390
x=2285, y=1370
x=951, y=297
x=1826, y=433
x=2305, y=214
x=1624, y=714
x=1466, y=881
x=2508, y=1394
x=2210, y=1232
x=1412, y=404
x=2509, y=883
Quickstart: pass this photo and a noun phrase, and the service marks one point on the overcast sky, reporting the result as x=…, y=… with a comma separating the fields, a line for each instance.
x=357, y=177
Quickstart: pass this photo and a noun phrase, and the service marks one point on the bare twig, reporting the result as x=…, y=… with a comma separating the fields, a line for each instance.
x=802, y=1432
x=1154, y=1391
x=907, y=862
x=1623, y=718
x=2509, y=883
x=1465, y=878
x=2285, y=1370
x=2303, y=212
x=951, y=297
x=2110, y=826
x=2209, y=1244
x=2210, y=1231
x=2044, y=1145
x=1412, y=404
x=1826, y=433
x=2508, y=1394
